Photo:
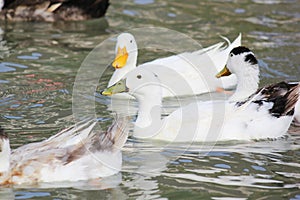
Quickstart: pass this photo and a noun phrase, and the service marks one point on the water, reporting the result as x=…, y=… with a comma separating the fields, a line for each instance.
x=40, y=62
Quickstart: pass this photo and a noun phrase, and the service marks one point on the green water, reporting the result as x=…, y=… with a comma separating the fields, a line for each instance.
x=40, y=62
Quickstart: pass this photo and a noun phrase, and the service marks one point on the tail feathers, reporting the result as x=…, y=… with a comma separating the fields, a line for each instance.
x=214, y=47
x=230, y=45
x=292, y=99
x=220, y=57
x=218, y=52
x=226, y=39
x=54, y=7
x=237, y=42
x=284, y=97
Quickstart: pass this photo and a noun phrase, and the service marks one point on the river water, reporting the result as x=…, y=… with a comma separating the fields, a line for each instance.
x=40, y=63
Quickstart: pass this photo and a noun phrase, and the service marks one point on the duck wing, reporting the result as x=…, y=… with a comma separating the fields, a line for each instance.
x=281, y=96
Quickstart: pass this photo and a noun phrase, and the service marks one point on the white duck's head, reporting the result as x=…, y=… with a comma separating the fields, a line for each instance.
x=244, y=65
x=145, y=86
x=140, y=82
x=126, y=51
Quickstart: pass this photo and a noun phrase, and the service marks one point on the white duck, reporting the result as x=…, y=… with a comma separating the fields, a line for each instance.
x=196, y=70
x=268, y=113
x=76, y=153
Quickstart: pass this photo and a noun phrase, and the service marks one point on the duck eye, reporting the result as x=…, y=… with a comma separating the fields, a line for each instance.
x=139, y=76
x=231, y=54
x=130, y=41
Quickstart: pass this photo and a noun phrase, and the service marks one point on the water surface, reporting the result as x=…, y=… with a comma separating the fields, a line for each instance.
x=40, y=62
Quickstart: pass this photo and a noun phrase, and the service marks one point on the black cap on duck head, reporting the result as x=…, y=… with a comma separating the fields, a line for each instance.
x=250, y=58
x=239, y=50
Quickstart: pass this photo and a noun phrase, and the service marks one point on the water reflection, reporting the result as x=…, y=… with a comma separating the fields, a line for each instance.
x=104, y=189
x=6, y=194
x=244, y=165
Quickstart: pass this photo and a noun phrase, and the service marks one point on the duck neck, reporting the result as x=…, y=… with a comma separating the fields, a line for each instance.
x=247, y=83
x=120, y=73
x=4, y=155
x=148, y=121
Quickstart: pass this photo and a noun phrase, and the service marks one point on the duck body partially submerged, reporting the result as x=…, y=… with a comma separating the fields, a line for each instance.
x=74, y=154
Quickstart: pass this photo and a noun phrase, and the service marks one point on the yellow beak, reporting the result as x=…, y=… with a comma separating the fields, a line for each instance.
x=224, y=72
x=121, y=58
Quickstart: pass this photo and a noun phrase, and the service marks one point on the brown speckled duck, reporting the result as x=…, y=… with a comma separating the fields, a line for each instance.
x=52, y=10
x=76, y=153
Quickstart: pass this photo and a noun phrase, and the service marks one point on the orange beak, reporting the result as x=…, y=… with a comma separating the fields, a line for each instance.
x=121, y=58
x=224, y=72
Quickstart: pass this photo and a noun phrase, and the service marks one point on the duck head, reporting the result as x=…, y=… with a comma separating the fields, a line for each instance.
x=145, y=86
x=140, y=83
x=126, y=51
x=240, y=59
x=244, y=65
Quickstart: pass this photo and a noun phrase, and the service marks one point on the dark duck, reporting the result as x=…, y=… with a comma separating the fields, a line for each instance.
x=52, y=10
